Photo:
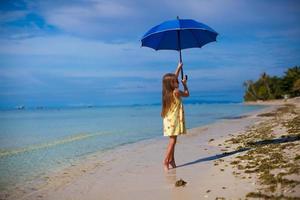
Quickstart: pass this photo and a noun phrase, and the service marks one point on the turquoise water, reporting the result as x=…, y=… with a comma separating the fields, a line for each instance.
x=35, y=142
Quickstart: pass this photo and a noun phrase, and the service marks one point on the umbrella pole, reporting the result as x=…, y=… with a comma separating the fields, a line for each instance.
x=179, y=47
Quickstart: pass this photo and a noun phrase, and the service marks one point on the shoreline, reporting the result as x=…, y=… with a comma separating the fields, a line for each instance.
x=273, y=102
x=110, y=175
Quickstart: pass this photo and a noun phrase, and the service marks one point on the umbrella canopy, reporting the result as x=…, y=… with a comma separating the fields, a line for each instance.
x=179, y=34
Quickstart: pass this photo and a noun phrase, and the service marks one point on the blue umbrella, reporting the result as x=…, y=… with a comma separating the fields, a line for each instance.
x=179, y=34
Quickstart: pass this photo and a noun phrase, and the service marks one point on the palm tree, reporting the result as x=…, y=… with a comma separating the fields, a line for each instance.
x=296, y=87
x=265, y=79
x=267, y=87
x=250, y=89
x=275, y=86
x=291, y=76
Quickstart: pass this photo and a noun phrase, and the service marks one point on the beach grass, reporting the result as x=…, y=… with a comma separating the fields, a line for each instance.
x=273, y=156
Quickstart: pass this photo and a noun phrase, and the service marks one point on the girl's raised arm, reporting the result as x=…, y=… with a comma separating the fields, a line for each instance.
x=178, y=69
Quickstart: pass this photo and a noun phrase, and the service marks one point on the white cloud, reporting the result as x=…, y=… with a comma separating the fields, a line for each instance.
x=232, y=12
x=110, y=9
x=92, y=19
x=60, y=45
x=9, y=16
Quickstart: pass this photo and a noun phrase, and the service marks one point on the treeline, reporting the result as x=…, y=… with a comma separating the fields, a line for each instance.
x=273, y=87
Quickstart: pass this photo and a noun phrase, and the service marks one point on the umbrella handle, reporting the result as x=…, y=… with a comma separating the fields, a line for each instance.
x=180, y=59
x=181, y=73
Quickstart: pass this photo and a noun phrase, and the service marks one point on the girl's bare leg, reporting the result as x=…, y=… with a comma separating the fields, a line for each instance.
x=169, y=159
x=172, y=160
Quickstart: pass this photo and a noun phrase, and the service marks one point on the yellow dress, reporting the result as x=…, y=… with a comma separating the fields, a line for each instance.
x=174, y=122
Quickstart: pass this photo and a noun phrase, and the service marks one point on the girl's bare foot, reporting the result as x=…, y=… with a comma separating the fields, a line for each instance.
x=173, y=164
x=166, y=166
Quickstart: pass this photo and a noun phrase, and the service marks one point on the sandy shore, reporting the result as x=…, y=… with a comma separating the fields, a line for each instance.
x=204, y=157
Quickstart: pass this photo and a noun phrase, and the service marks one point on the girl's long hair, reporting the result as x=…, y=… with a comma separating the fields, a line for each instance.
x=167, y=92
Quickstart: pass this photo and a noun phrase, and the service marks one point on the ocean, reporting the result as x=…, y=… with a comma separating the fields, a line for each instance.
x=35, y=142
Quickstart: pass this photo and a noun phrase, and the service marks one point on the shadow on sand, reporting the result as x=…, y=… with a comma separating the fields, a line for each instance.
x=251, y=146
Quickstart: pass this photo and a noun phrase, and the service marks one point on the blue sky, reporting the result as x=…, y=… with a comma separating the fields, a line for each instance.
x=88, y=51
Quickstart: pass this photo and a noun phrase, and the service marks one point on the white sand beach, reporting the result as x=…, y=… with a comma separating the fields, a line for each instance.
x=135, y=171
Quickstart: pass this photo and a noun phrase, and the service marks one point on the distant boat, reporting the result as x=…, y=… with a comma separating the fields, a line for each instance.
x=22, y=107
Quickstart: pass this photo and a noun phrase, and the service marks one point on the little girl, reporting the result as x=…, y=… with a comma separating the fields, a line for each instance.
x=172, y=112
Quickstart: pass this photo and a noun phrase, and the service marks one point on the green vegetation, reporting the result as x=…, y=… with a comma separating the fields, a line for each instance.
x=264, y=196
x=273, y=87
